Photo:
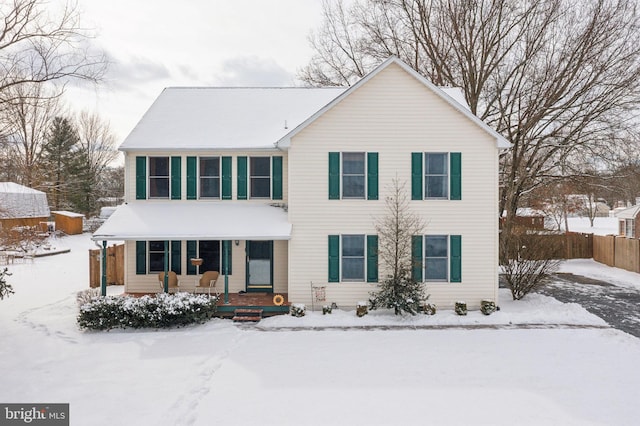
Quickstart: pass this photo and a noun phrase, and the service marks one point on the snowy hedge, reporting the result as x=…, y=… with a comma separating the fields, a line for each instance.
x=161, y=311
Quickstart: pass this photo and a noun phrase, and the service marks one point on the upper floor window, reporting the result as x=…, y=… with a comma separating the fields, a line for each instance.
x=436, y=176
x=209, y=177
x=260, y=177
x=158, y=177
x=353, y=175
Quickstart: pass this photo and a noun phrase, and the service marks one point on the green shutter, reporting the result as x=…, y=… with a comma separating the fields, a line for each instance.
x=141, y=257
x=455, y=176
x=372, y=258
x=192, y=178
x=226, y=178
x=277, y=178
x=417, y=190
x=227, y=249
x=416, y=257
x=455, y=246
x=372, y=176
x=242, y=178
x=192, y=252
x=176, y=171
x=334, y=258
x=141, y=178
x=334, y=175
x=176, y=257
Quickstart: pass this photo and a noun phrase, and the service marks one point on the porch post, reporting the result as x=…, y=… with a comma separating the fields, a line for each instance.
x=227, y=247
x=103, y=286
x=166, y=266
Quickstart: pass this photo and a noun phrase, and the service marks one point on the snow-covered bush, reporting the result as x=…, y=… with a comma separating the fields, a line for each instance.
x=85, y=296
x=487, y=307
x=161, y=311
x=461, y=308
x=326, y=309
x=362, y=309
x=5, y=288
x=298, y=310
x=429, y=309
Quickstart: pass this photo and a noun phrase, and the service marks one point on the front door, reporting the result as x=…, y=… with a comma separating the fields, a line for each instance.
x=260, y=266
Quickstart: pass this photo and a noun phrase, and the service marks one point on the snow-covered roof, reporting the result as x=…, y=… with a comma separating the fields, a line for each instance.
x=451, y=95
x=18, y=202
x=67, y=213
x=630, y=213
x=225, y=117
x=165, y=220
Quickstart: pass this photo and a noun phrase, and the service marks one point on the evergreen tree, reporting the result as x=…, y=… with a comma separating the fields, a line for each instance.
x=5, y=288
x=398, y=291
x=60, y=160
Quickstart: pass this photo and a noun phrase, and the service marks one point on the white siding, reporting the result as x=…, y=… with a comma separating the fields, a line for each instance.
x=149, y=283
x=393, y=114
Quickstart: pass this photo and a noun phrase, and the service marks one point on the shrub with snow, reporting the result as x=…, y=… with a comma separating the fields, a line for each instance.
x=487, y=307
x=298, y=310
x=429, y=309
x=461, y=308
x=362, y=309
x=161, y=311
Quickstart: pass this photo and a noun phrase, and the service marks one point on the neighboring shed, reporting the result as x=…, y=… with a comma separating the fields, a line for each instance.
x=628, y=222
x=22, y=206
x=68, y=222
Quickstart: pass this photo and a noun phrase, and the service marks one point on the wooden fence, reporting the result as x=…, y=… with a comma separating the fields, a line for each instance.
x=115, y=266
x=611, y=250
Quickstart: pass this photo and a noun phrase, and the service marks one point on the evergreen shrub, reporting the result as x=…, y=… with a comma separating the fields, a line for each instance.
x=429, y=308
x=298, y=310
x=461, y=308
x=161, y=311
x=362, y=309
x=487, y=307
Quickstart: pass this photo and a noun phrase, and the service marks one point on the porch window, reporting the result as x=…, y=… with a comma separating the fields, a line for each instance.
x=156, y=256
x=209, y=177
x=260, y=177
x=158, y=177
x=353, y=253
x=209, y=252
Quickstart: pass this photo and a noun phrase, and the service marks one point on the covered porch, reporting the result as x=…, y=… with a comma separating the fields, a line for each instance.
x=250, y=249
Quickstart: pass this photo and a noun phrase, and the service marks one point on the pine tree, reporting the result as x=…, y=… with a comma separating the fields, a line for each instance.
x=5, y=287
x=59, y=155
x=398, y=291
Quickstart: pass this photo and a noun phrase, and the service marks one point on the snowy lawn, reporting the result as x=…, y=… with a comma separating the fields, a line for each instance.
x=308, y=371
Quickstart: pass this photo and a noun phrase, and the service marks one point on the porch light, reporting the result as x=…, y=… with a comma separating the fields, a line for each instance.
x=237, y=242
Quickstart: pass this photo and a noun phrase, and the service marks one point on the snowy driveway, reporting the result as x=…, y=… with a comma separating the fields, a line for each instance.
x=618, y=306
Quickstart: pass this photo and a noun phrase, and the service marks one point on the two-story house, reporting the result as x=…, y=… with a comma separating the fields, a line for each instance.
x=284, y=185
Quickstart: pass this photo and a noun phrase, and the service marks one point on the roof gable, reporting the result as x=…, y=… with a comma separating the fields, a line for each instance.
x=630, y=213
x=448, y=95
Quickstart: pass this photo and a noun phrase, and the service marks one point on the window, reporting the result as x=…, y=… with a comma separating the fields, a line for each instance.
x=629, y=228
x=209, y=252
x=353, y=250
x=353, y=175
x=158, y=177
x=210, y=177
x=156, y=256
x=435, y=258
x=260, y=177
x=436, y=175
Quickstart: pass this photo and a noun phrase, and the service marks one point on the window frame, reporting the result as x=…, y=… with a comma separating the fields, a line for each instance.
x=212, y=177
x=363, y=257
x=363, y=175
x=150, y=177
x=446, y=258
x=267, y=177
x=629, y=228
x=446, y=176
x=156, y=252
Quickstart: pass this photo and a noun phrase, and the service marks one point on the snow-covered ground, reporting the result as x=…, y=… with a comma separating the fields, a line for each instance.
x=308, y=371
x=601, y=225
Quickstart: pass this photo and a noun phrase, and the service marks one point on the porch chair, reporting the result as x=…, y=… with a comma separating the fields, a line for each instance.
x=173, y=282
x=208, y=281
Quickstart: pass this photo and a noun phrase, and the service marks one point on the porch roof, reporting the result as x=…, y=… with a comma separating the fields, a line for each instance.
x=198, y=220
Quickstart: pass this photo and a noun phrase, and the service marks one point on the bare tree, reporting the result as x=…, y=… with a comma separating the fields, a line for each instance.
x=25, y=122
x=39, y=44
x=555, y=77
x=398, y=290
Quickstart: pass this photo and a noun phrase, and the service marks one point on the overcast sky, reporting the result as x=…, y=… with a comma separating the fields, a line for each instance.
x=154, y=44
